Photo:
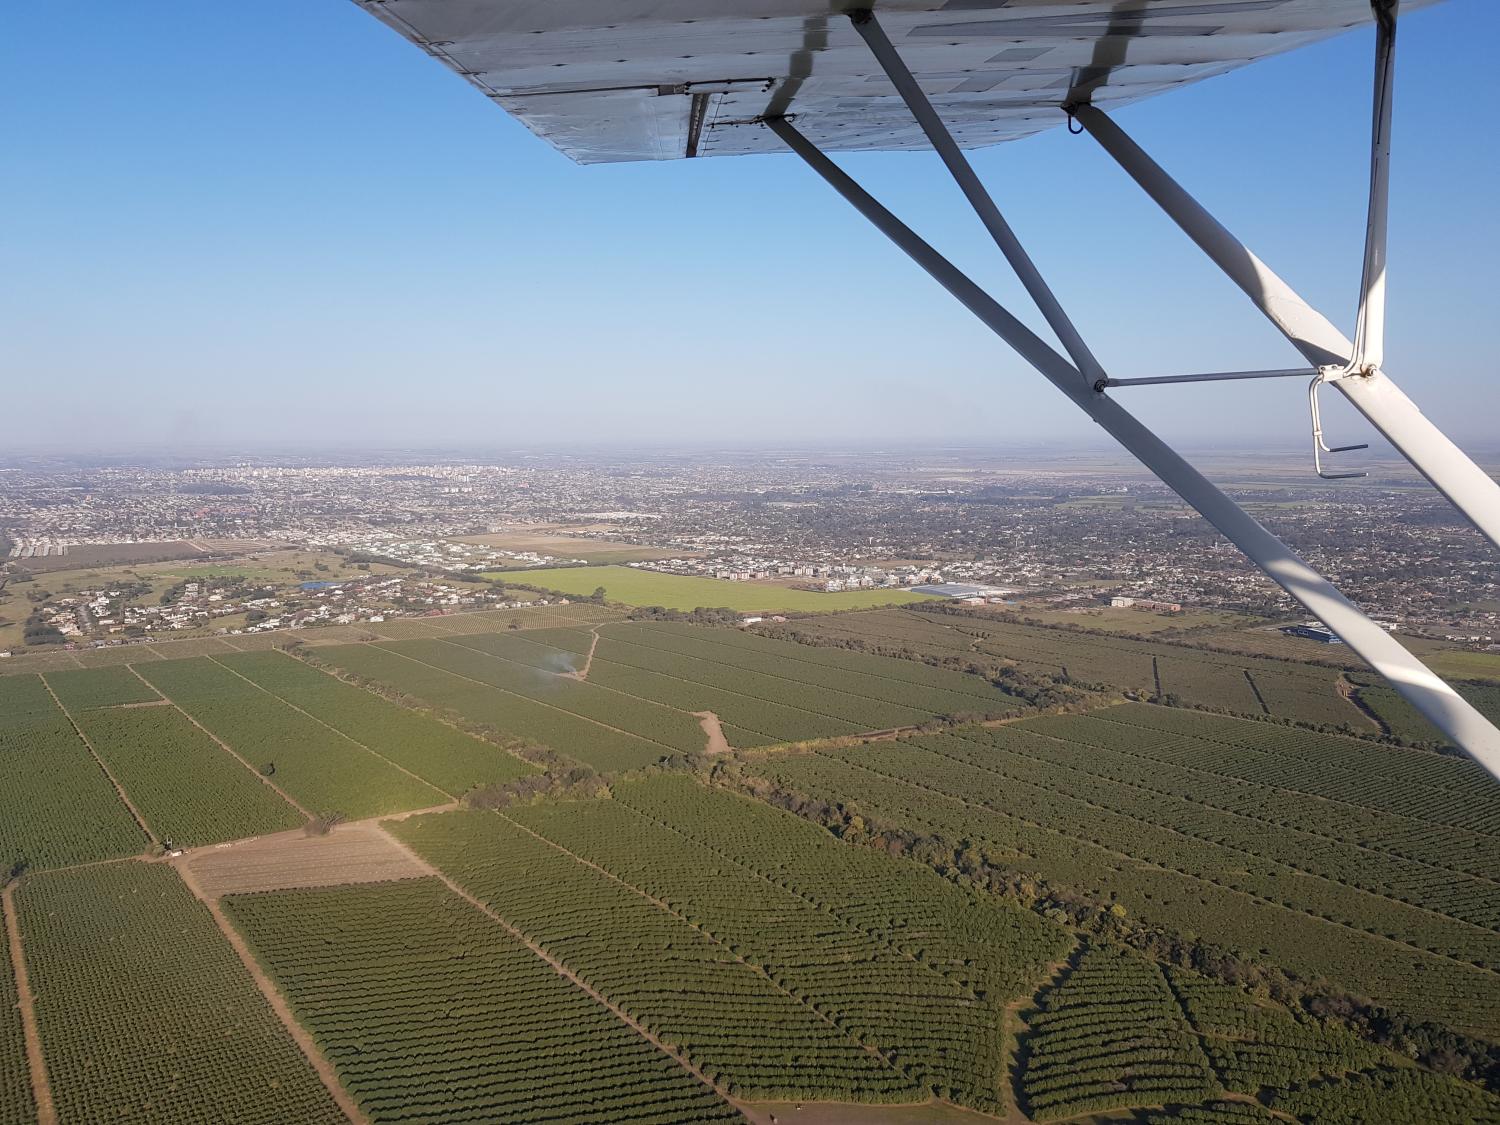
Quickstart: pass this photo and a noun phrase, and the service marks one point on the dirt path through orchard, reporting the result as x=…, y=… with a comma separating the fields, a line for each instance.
x=320, y=1064
x=676, y=1054
x=41, y=1090
x=588, y=661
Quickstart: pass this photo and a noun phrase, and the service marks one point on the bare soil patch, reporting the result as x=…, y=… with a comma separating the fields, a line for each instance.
x=717, y=743
x=351, y=853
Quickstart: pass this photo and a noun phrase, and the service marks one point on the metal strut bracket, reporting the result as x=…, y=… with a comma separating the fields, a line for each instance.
x=1369, y=336
x=1452, y=714
x=1320, y=447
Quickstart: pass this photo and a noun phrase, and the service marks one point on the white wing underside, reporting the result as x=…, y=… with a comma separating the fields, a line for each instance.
x=612, y=80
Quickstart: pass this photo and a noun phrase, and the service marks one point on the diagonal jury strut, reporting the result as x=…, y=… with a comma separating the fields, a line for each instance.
x=1444, y=707
x=969, y=183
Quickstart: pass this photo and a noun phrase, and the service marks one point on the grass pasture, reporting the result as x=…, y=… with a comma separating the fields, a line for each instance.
x=687, y=592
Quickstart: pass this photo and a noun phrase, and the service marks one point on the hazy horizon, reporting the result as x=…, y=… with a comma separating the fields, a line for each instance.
x=345, y=246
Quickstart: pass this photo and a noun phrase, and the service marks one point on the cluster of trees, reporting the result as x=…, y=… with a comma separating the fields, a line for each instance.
x=563, y=784
x=703, y=615
x=39, y=631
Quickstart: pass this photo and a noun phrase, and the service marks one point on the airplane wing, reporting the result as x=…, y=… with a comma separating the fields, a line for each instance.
x=613, y=80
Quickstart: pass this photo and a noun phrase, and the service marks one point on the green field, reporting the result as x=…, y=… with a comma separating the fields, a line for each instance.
x=1247, y=684
x=145, y=1012
x=432, y=1011
x=186, y=788
x=1403, y=720
x=440, y=755
x=1464, y=665
x=1368, y=865
x=684, y=592
x=318, y=767
x=734, y=1022
x=838, y=930
x=56, y=805
x=907, y=882
x=648, y=682
x=1112, y=1034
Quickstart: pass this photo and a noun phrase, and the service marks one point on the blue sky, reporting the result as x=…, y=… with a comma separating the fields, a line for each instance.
x=276, y=223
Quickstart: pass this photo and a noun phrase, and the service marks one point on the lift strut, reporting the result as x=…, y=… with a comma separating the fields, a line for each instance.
x=1081, y=377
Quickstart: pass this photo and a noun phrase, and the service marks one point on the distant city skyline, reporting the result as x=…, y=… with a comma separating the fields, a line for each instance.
x=279, y=227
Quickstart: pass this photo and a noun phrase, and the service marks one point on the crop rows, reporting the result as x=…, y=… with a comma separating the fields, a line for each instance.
x=1110, y=1035
x=767, y=654
x=84, y=689
x=671, y=729
x=440, y=755
x=116, y=656
x=538, y=647
x=187, y=789
x=1286, y=688
x=1254, y=1045
x=990, y=947
x=539, y=617
x=1390, y=1095
x=56, y=805
x=16, y=1104
x=1347, y=770
x=1186, y=805
x=855, y=681
x=1165, y=831
x=1422, y=984
x=941, y=1033
x=602, y=747
x=318, y=767
x=30, y=663
x=860, y=712
x=1405, y=721
x=430, y=1010
x=1246, y=780
x=690, y=991
x=1217, y=1113
x=145, y=1012
x=1433, y=866
x=758, y=722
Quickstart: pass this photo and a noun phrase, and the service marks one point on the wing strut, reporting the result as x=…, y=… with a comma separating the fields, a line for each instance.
x=1444, y=707
x=1354, y=368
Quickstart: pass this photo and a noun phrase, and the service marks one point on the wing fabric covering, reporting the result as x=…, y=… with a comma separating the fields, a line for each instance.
x=614, y=80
